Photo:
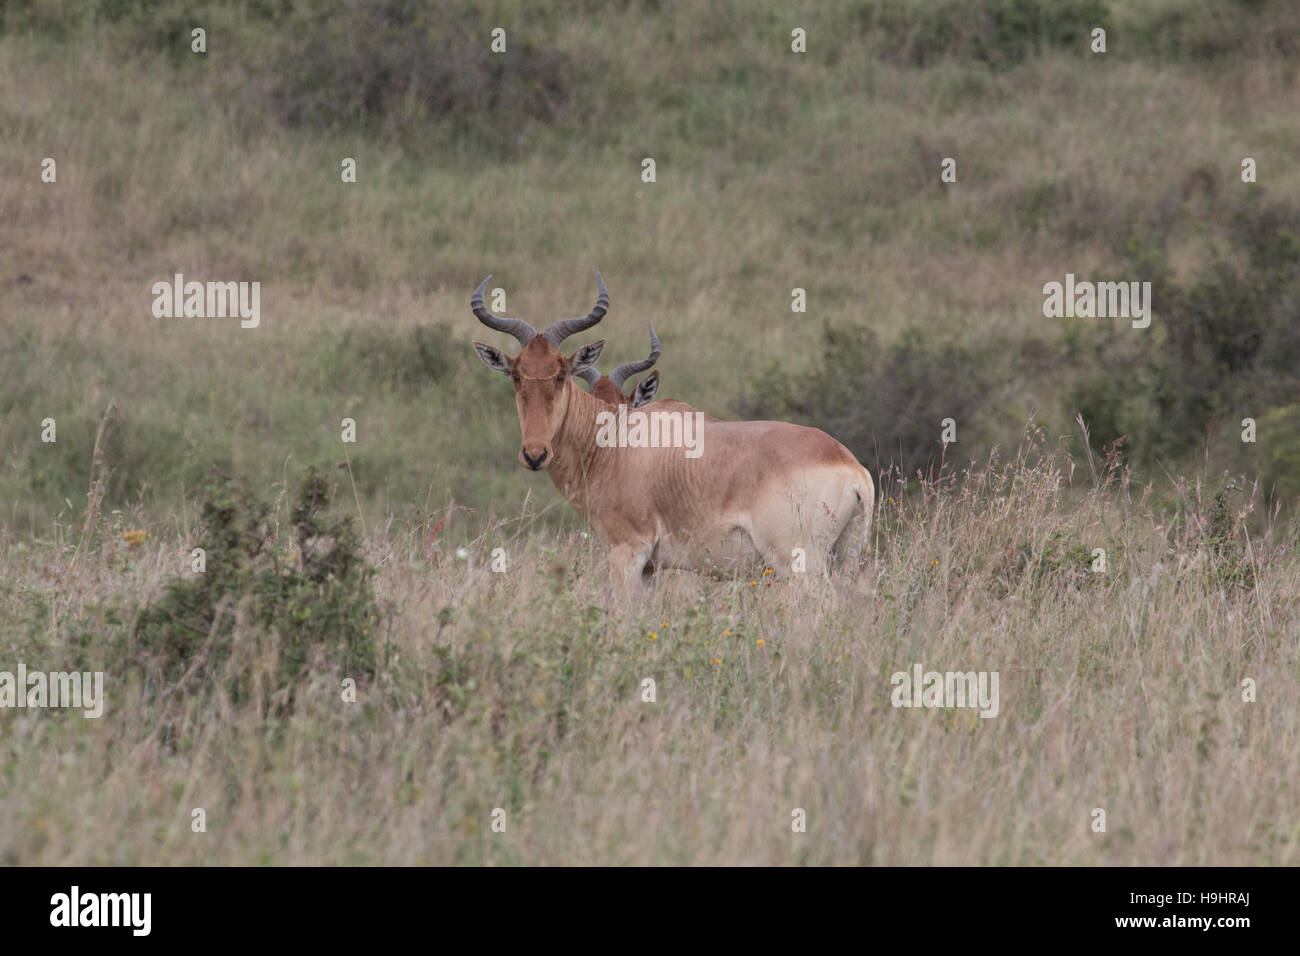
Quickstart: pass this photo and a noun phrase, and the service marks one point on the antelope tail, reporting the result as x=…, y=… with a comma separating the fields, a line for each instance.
x=866, y=490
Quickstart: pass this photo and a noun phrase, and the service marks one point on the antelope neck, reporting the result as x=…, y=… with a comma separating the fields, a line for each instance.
x=577, y=457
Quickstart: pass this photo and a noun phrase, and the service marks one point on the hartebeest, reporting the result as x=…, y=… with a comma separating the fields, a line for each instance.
x=609, y=388
x=773, y=492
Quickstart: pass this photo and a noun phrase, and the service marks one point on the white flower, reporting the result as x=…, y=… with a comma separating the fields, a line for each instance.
x=462, y=553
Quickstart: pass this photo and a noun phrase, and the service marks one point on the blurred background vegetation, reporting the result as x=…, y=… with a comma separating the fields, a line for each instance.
x=775, y=170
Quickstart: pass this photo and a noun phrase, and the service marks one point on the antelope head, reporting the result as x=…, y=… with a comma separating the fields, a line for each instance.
x=540, y=372
x=609, y=388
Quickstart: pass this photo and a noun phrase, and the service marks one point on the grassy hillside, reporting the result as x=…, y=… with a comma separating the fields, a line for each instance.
x=775, y=170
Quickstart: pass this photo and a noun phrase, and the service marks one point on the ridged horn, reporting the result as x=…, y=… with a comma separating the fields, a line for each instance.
x=557, y=332
x=520, y=329
x=628, y=369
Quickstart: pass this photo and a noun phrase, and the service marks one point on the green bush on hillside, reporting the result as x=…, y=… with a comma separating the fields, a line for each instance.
x=999, y=33
x=885, y=404
x=1227, y=343
x=374, y=357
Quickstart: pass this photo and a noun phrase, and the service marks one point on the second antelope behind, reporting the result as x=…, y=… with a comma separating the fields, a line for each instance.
x=774, y=494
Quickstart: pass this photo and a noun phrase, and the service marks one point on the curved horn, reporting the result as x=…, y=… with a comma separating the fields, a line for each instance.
x=628, y=369
x=557, y=332
x=590, y=375
x=520, y=329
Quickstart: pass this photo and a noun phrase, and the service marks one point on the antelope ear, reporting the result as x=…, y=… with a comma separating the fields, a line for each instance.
x=492, y=358
x=585, y=357
x=646, y=390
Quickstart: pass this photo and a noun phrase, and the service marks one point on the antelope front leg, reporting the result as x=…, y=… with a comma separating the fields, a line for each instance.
x=626, y=564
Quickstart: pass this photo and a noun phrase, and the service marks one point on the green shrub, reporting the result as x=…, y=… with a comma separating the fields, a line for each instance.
x=1004, y=33
x=395, y=64
x=886, y=404
x=268, y=605
x=1226, y=342
x=1278, y=437
x=1209, y=30
x=373, y=357
x=386, y=67
x=1221, y=525
x=1000, y=33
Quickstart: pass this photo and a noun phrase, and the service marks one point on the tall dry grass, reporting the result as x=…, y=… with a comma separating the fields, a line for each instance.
x=522, y=691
